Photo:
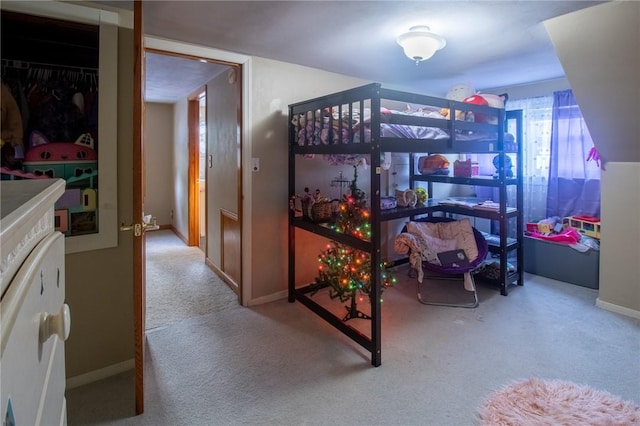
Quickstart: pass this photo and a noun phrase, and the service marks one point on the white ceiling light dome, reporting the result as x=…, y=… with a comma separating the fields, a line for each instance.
x=419, y=44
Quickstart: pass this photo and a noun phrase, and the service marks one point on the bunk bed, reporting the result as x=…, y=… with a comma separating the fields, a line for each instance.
x=365, y=124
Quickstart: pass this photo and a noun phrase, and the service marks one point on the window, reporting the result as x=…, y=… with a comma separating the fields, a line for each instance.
x=574, y=182
x=536, y=114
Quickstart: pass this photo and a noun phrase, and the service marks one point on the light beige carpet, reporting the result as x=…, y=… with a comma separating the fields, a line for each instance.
x=279, y=364
x=179, y=285
x=537, y=401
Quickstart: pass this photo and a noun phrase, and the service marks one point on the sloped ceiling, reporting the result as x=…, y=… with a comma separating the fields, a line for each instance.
x=604, y=73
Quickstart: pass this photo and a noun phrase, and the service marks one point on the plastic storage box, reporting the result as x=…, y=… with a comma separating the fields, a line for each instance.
x=561, y=262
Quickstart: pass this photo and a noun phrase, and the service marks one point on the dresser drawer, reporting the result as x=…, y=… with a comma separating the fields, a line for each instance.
x=27, y=217
x=32, y=370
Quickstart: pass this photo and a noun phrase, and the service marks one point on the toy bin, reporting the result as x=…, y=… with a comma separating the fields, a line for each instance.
x=561, y=262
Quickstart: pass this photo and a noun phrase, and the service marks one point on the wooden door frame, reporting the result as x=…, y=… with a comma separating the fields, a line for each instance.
x=193, y=119
x=139, y=256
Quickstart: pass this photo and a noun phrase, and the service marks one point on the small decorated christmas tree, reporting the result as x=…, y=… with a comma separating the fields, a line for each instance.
x=345, y=270
x=353, y=217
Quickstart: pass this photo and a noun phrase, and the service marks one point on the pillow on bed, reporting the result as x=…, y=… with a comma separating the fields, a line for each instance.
x=459, y=230
x=429, y=244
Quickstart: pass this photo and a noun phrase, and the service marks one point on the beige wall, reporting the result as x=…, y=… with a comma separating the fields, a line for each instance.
x=532, y=90
x=275, y=86
x=620, y=245
x=181, y=168
x=99, y=283
x=158, y=158
x=602, y=65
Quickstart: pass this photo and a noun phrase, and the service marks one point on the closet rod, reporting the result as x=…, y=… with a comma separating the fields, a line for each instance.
x=18, y=64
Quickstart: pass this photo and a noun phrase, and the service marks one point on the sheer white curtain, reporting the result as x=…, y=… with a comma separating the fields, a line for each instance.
x=537, y=114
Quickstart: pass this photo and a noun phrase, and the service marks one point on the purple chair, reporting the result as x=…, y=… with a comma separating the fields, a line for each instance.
x=451, y=272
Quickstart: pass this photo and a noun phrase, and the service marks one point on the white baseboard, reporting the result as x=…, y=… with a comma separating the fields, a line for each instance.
x=270, y=298
x=102, y=373
x=617, y=309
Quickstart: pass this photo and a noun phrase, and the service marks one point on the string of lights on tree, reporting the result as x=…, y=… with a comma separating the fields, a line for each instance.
x=344, y=270
x=353, y=216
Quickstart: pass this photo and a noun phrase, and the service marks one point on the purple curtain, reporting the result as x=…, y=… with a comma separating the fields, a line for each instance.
x=574, y=182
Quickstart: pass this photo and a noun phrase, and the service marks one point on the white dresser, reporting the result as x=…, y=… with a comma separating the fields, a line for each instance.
x=34, y=320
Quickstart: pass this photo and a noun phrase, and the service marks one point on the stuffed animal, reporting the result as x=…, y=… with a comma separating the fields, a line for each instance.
x=495, y=101
x=458, y=92
x=464, y=92
x=67, y=160
x=422, y=195
x=434, y=164
x=486, y=99
x=508, y=166
x=476, y=100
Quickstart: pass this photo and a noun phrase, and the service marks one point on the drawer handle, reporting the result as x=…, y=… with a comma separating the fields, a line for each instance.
x=58, y=324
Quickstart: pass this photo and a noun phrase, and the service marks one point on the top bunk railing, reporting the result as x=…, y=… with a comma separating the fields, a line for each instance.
x=347, y=117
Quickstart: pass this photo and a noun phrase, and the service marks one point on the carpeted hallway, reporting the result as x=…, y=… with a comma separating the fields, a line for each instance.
x=280, y=364
x=179, y=284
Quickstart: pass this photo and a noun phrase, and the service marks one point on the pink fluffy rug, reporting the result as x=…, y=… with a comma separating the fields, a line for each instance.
x=553, y=402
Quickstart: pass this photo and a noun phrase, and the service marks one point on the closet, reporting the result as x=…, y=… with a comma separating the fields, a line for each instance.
x=50, y=79
x=363, y=125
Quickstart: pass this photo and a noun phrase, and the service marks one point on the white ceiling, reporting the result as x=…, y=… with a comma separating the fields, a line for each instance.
x=490, y=44
x=171, y=78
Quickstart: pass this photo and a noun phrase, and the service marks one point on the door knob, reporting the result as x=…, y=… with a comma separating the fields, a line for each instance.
x=58, y=324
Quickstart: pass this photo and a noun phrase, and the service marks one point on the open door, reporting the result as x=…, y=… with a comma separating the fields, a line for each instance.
x=138, y=206
x=197, y=124
x=193, y=119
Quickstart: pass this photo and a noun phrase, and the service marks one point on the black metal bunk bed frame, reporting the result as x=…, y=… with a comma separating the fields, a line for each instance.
x=371, y=96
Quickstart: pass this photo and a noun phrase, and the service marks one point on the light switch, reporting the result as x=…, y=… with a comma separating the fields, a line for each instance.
x=255, y=164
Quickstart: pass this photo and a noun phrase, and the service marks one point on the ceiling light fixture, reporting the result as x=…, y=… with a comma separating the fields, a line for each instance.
x=420, y=43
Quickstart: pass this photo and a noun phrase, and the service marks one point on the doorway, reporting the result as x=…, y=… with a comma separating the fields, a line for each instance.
x=242, y=69
x=185, y=179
